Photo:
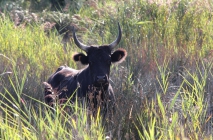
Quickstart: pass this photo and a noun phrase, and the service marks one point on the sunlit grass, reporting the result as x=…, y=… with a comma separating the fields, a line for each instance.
x=22, y=120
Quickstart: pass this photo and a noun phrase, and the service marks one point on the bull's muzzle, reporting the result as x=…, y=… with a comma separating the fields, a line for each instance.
x=101, y=79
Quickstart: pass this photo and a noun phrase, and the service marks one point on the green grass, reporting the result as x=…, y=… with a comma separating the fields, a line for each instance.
x=163, y=89
x=24, y=119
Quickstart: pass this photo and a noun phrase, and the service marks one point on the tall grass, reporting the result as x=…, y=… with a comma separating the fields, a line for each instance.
x=163, y=89
x=24, y=119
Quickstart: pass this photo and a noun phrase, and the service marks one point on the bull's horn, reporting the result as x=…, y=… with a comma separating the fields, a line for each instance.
x=78, y=43
x=115, y=43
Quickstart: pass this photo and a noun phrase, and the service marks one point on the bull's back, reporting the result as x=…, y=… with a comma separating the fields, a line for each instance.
x=58, y=80
x=62, y=75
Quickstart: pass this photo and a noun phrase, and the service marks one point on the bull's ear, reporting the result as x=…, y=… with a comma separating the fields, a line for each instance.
x=81, y=57
x=118, y=56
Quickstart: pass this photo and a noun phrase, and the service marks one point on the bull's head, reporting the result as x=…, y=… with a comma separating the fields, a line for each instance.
x=100, y=58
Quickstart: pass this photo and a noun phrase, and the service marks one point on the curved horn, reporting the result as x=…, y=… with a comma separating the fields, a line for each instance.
x=115, y=43
x=78, y=43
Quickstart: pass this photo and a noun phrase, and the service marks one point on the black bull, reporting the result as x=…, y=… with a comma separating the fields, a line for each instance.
x=91, y=82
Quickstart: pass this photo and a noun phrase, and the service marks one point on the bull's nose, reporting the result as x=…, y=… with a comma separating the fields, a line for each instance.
x=101, y=79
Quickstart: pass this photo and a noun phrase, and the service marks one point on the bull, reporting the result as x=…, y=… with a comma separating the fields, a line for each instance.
x=91, y=82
